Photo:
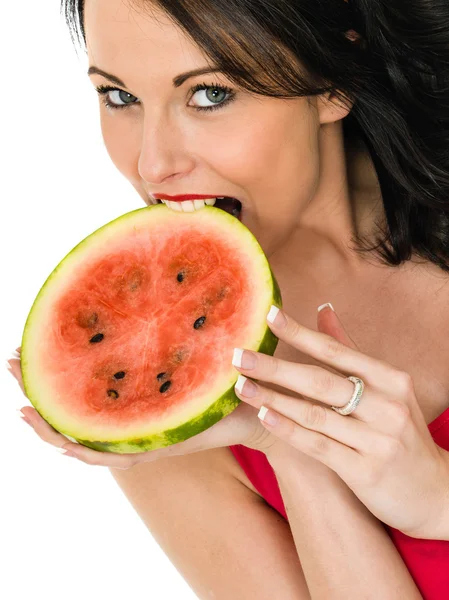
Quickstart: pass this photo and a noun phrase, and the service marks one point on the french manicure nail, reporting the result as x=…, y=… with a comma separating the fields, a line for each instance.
x=24, y=418
x=243, y=359
x=245, y=386
x=268, y=416
x=8, y=366
x=275, y=314
x=237, y=357
x=272, y=314
x=262, y=412
x=324, y=306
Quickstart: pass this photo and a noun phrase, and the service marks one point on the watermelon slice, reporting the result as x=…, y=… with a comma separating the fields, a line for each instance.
x=128, y=345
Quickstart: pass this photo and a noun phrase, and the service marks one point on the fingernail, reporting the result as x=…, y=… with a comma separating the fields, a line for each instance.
x=268, y=416
x=62, y=450
x=324, y=306
x=245, y=387
x=9, y=368
x=243, y=359
x=24, y=418
x=276, y=317
x=272, y=314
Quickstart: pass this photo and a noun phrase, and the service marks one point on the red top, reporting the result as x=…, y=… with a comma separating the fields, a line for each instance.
x=427, y=560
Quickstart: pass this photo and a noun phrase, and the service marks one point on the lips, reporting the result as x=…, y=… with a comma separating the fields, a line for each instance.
x=229, y=205
x=181, y=198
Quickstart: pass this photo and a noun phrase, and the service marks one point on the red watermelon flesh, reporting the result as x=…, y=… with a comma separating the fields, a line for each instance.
x=128, y=345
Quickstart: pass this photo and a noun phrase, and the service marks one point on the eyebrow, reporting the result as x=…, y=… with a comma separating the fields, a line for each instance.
x=177, y=81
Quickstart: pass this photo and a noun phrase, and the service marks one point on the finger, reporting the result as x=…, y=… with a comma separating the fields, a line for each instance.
x=111, y=460
x=126, y=461
x=16, y=372
x=329, y=351
x=350, y=432
x=329, y=322
x=345, y=461
x=316, y=383
x=115, y=460
x=230, y=430
x=92, y=457
x=51, y=436
x=43, y=429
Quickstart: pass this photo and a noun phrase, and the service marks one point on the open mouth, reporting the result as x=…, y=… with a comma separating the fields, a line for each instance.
x=230, y=205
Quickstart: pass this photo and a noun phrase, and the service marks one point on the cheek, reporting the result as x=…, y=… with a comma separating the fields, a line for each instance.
x=122, y=141
x=279, y=149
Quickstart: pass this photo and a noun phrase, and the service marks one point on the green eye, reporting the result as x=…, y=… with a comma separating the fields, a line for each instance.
x=114, y=97
x=217, y=94
x=120, y=98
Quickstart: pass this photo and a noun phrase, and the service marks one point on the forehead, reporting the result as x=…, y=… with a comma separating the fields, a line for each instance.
x=127, y=38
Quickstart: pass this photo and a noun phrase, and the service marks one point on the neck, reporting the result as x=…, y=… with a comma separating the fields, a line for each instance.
x=348, y=200
x=347, y=203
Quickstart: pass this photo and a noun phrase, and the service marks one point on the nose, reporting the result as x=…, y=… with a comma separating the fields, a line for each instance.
x=163, y=153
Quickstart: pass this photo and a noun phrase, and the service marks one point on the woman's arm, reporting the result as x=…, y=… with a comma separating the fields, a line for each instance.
x=345, y=552
x=223, y=538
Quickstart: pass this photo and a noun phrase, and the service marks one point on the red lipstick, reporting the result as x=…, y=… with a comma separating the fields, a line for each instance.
x=183, y=197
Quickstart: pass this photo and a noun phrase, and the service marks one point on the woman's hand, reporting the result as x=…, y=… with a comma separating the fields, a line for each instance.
x=383, y=450
x=240, y=427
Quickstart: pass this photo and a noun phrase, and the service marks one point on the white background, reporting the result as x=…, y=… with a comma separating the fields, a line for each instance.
x=67, y=530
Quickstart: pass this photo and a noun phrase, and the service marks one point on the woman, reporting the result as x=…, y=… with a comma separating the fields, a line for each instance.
x=329, y=123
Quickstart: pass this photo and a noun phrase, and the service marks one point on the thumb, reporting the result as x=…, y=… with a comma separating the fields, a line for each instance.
x=329, y=322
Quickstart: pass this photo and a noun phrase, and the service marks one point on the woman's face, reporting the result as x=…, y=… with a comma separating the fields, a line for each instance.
x=261, y=150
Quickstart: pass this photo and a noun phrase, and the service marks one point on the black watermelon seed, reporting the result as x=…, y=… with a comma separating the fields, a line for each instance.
x=199, y=322
x=161, y=376
x=164, y=387
x=97, y=338
x=119, y=375
x=180, y=277
x=112, y=394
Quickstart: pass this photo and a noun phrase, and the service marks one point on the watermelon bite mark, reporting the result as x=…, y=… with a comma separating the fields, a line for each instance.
x=230, y=205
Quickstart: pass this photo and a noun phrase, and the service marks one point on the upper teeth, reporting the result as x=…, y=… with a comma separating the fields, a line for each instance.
x=190, y=205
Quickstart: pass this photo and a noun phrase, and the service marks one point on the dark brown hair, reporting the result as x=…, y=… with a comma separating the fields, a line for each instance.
x=396, y=75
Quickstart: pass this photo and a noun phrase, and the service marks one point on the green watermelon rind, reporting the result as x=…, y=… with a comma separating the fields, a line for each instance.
x=223, y=406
